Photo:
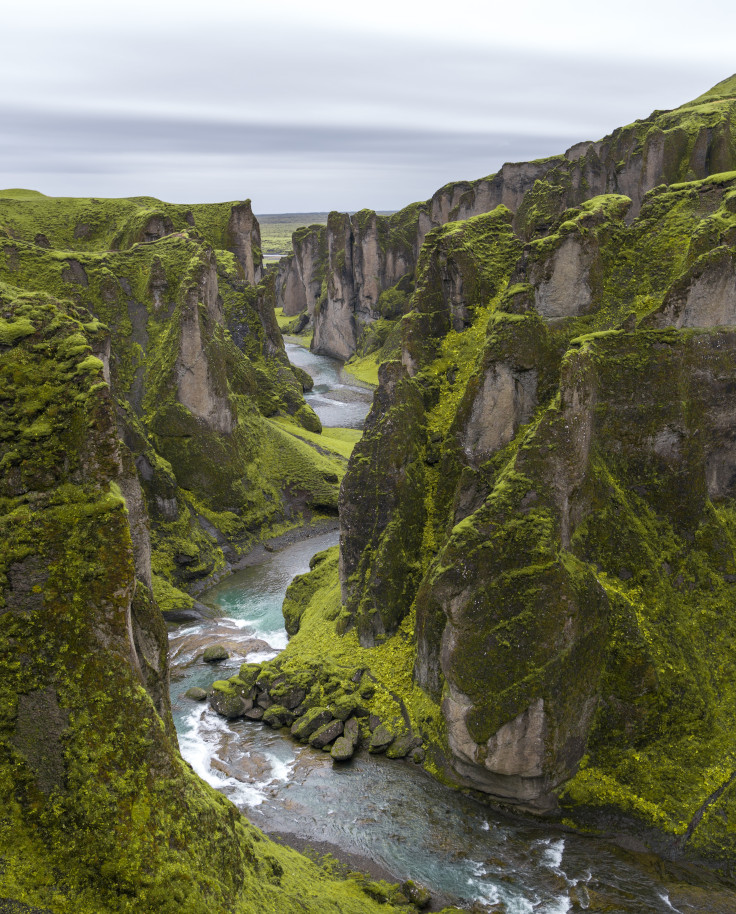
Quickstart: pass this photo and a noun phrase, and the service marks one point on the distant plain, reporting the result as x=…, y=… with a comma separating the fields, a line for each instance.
x=277, y=229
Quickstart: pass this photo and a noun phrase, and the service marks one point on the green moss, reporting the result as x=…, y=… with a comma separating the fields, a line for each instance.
x=10, y=331
x=98, y=812
x=339, y=441
x=320, y=646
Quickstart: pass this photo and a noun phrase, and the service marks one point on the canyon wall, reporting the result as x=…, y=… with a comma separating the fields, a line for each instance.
x=337, y=273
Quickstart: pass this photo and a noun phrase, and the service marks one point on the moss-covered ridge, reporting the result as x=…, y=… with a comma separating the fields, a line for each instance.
x=196, y=362
x=98, y=812
x=339, y=273
x=81, y=224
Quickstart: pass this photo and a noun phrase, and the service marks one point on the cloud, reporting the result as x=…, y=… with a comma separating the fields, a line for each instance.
x=319, y=106
x=277, y=165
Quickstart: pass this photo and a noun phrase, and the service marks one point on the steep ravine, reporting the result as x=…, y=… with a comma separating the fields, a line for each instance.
x=98, y=812
x=532, y=593
x=532, y=596
x=379, y=814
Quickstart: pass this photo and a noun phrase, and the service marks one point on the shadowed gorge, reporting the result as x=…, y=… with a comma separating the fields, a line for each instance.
x=532, y=594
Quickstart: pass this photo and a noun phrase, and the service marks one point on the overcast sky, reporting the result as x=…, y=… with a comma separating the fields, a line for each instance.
x=323, y=105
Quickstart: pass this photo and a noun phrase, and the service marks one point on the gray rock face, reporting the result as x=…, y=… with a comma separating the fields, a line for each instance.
x=370, y=253
x=517, y=748
x=198, y=389
x=157, y=283
x=300, y=275
x=244, y=235
x=156, y=227
x=335, y=327
x=39, y=730
x=506, y=400
x=707, y=295
x=75, y=273
x=563, y=289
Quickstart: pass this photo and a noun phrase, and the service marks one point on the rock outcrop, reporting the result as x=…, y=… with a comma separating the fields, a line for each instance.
x=193, y=354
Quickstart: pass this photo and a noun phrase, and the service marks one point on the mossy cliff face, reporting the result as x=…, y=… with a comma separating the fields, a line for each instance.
x=196, y=363
x=370, y=254
x=544, y=498
x=300, y=276
x=98, y=812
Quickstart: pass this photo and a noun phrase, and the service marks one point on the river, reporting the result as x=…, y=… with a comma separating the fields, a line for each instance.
x=387, y=812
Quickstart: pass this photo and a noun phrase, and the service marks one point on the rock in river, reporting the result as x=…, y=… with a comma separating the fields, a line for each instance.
x=342, y=749
x=382, y=738
x=326, y=734
x=214, y=653
x=195, y=694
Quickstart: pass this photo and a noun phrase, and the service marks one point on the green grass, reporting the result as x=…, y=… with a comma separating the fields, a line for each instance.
x=365, y=368
x=282, y=320
x=277, y=228
x=339, y=441
x=302, y=339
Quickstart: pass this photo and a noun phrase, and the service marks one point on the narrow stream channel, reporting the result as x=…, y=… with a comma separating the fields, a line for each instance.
x=384, y=811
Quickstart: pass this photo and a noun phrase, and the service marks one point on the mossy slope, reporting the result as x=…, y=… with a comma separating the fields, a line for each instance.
x=195, y=360
x=98, y=812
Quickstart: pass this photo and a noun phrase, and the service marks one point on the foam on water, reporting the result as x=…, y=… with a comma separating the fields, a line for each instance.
x=552, y=855
x=560, y=905
x=204, y=731
x=280, y=770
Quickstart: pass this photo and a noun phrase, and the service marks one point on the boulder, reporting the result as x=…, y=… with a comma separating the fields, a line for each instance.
x=315, y=718
x=344, y=706
x=195, y=694
x=214, y=654
x=417, y=894
x=326, y=734
x=351, y=731
x=342, y=749
x=293, y=698
x=255, y=714
x=227, y=704
x=401, y=746
x=278, y=716
x=248, y=674
x=381, y=738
